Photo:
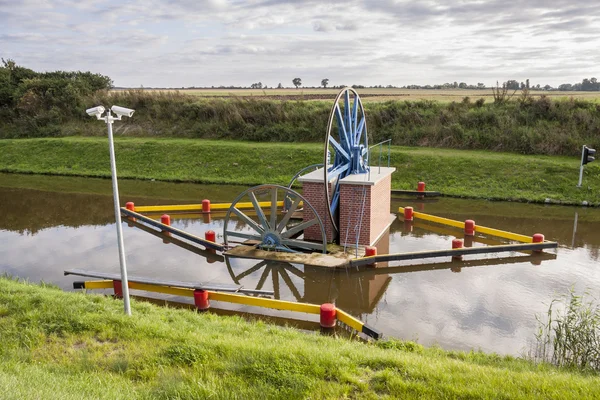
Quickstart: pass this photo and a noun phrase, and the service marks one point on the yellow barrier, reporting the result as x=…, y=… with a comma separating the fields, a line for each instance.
x=342, y=316
x=480, y=229
x=198, y=207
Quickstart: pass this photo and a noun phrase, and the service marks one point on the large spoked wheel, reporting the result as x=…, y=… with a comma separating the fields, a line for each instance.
x=247, y=223
x=346, y=147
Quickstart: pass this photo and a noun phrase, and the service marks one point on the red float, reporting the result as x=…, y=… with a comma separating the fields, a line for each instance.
x=538, y=238
x=408, y=213
x=469, y=227
x=201, y=300
x=211, y=236
x=205, y=206
x=118, y=288
x=328, y=313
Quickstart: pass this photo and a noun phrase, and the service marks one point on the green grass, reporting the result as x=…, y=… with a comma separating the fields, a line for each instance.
x=75, y=346
x=461, y=173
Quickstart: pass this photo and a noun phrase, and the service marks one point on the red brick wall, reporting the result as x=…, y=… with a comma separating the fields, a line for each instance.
x=380, y=207
x=375, y=211
x=315, y=194
x=370, y=201
x=355, y=201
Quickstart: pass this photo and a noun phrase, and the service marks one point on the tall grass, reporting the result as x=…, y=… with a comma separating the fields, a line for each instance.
x=537, y=126
x=569, y=336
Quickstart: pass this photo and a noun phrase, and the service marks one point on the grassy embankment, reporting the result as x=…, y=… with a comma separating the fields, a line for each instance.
x=476, y=174
x=73, y=346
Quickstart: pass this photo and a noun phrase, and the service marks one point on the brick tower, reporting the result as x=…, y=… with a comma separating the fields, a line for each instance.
x=364, y=206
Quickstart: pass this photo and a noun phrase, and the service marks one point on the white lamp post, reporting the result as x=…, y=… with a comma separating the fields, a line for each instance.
x=109, y=119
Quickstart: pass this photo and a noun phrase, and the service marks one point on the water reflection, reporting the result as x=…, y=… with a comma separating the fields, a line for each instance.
x=480, y=302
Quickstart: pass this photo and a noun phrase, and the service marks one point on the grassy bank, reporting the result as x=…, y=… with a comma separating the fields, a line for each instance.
x=528, y=126
x=73, y=346
x=476, y=174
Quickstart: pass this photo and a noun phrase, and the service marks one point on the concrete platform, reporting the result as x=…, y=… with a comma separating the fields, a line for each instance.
x=336, y=258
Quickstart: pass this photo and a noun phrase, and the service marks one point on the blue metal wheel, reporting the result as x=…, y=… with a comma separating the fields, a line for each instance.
x=346, y=148
x=272, y=228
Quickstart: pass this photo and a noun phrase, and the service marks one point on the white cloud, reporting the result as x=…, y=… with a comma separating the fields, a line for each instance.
x=218, y=42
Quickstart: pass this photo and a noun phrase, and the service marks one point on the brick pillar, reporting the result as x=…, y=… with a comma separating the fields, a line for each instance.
x=314, y=192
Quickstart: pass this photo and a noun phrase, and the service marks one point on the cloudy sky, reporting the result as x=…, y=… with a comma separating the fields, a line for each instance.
x=179, y=43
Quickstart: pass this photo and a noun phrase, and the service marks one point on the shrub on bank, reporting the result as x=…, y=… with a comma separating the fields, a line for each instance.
x=53, y=104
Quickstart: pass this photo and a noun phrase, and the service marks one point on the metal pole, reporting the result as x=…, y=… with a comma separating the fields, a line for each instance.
x=581, y=166
x=113, y=170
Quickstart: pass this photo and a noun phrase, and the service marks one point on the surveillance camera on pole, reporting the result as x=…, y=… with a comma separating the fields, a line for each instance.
x=109, y=119
x=587, y=156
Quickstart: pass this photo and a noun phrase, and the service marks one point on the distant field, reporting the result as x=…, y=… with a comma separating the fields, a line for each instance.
x=373, y=94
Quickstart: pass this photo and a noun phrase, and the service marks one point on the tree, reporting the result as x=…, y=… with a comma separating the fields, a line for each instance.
x=480, y=85
x=462, y=85
x=297, y=82
x=325, y=82
x=512, y=85
x=280, y=86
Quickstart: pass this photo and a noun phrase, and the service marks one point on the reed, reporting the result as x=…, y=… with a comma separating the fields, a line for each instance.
x=569, y=335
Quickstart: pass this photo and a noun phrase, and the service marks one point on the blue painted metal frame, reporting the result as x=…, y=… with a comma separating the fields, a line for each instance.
x=351, y=147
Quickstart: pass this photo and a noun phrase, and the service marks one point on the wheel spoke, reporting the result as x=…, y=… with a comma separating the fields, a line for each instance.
x=355, y=116
x=299, y=227
x=288, y=215
x=302, y=244
x=337, y=171
x=263, y=278
x=251, y=270
x=360, y=129
x=243, y=235
x=288, y=281
x=274, y=208
x=259, y=212
x=295, y=271
x=343, y=131
x=275, y=277
x=249, y=221
x=339, y=149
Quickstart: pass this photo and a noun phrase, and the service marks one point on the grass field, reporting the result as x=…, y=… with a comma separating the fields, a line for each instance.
x=377, y=94
x=59, y=345
x=461, y=173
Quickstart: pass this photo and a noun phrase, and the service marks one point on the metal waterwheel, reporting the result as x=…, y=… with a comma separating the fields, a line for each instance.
x=346, y=147
x=275, y=231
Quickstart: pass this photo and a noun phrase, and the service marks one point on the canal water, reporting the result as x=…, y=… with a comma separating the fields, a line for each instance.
x=485, y=302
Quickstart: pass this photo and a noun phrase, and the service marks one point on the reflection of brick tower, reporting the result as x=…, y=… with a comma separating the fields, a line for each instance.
x=355, y=293
x=364, y=211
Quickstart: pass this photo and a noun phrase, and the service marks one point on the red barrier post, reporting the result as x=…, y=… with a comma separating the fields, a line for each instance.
x=420, y=188
x=211, y=236
x=118, y=288
x=328, y=315
x=369, y=252
x=408, y=213
x=538, y=238
x=469, y=227
x=457, y=244
x=206, y=206
x=201, y=300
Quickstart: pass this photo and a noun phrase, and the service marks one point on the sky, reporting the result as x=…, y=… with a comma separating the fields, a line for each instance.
x=203, y=43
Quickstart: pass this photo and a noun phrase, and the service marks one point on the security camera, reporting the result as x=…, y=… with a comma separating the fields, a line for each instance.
x=95, y=111
x=122, y=111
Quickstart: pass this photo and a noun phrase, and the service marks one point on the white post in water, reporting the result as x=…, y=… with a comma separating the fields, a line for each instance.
x=109, y=119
